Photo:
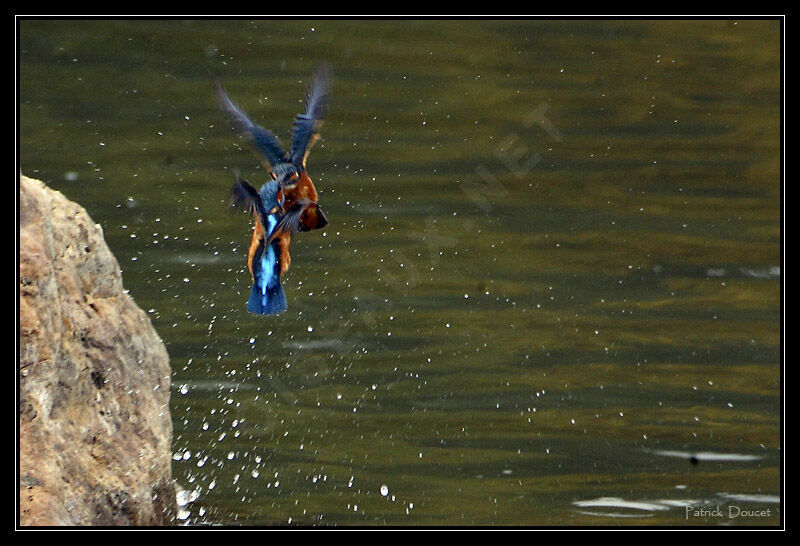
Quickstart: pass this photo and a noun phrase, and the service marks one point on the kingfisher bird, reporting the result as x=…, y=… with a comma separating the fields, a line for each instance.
x=268, y=256
x=289, y=166
x=285, y=204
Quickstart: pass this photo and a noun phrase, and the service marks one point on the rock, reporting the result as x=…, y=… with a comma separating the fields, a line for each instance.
x=94, y=378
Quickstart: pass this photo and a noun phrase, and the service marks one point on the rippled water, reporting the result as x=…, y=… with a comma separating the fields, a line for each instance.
x=549, y=293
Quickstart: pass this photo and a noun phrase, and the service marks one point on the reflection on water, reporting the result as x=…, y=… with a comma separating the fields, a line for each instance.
x=637, y=509
x=774, y=499
x=708, y=510
x=707, y=456
x=550, y=287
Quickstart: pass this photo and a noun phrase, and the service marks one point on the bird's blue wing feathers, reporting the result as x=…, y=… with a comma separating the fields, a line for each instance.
x=244, y=195
x=265, y=144
x=290, y=220
x=307, y=125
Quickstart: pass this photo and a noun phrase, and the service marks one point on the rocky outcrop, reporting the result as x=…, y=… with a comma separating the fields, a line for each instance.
x=94, y=378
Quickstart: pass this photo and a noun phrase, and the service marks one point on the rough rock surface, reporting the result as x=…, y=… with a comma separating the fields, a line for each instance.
x=94, y=378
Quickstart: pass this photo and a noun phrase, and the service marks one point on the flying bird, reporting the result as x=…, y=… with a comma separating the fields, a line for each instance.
x=268, y=256
x=291, y=165
x=288, y=202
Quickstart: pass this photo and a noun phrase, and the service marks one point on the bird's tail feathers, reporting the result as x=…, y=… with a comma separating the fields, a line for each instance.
x=268, y=302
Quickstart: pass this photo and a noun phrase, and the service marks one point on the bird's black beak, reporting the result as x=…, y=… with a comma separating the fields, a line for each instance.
x=321, y=220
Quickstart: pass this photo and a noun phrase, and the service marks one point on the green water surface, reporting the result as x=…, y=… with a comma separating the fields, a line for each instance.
x=549, y=293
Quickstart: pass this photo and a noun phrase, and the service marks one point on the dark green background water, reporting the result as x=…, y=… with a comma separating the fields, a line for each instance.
x=549, y=293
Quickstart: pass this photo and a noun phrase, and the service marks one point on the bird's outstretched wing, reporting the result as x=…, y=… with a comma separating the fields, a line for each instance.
x=244, y=195
x=290, y=220
x=264, y=144
x=306, y=126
